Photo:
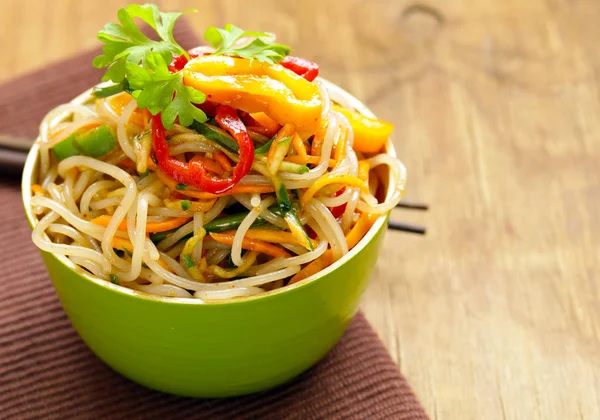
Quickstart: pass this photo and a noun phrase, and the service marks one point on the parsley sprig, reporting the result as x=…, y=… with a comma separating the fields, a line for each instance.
x=140, y=65
x=224, y=41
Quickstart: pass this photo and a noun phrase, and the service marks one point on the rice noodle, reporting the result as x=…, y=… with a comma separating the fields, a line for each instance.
x=236, y=248
x=122, y=135
x=79, y=189
x=331, y=229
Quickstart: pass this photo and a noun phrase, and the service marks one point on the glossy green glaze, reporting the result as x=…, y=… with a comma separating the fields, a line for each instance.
x=216, y=349
x=190, y=348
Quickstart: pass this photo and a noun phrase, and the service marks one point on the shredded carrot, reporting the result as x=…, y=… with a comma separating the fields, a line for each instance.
x=360, y=229
x=315, y=148
x=299, y=147
x=126, y=163
x=363, y=170
x=251, y=244
x=118, y=104
x=313, y=160
x=317, y=142
x=328, y=179
x=202, y=195
x=209, y=164
x=123, y=244
x=203, y=206
x=151, y=227
x=340, y=146
x=314, y=267
x=286, y=131
x=37, y=189
x=273, y=236
x=223, y=160
x=267, y=122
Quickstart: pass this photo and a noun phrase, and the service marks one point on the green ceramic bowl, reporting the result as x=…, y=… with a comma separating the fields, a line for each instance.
x=190, y=348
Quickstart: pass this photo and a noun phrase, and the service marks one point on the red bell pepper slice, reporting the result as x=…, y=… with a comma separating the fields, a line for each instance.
x=180, y=61
x=193, y=172
x=338, y=210
x=301, y=66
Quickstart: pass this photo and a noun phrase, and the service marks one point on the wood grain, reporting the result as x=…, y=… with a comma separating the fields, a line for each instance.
x=495, y=313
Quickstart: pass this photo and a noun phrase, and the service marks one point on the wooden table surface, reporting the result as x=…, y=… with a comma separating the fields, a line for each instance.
x=495, y=313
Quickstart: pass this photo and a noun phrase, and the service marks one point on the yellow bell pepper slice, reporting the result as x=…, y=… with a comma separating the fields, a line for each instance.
x=370, y=135
x=253, y=86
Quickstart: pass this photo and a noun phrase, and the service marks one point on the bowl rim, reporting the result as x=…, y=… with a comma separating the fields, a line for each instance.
x=31, y=164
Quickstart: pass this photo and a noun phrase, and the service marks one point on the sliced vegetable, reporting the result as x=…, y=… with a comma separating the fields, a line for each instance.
x=194, y=172
x=310, y=159
x=151, y=227
x=328, y=179
x=273, y=236
x=264, y=148
x=270, y=125
x=247, y=261
x=370, y=135
x=301, y=66
x=229, y=222
x=253, y=86
x=314, y=267
x=202, y=195
x=211, y=133
x=37, y=189
x=300, y=149
x=360, y=229
x=280, y=148
x=105, y=92
x=252, y=244
x=223, y=160
x=297, y=230
x=338, y=210
x=95, y=142
x=203, y=206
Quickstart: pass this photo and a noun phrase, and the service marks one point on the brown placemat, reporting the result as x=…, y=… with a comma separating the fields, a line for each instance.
x=47, y=372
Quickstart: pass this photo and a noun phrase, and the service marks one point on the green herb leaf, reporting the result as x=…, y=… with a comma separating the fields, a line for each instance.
x=187, y=261
x=125, y=43
x=157, y=89
x=186, y=205
x=261, y=48
x=114, y=279
x=180, y=186
x=140, y=64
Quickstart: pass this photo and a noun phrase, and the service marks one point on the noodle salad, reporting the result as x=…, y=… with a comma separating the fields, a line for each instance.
x=220, y=172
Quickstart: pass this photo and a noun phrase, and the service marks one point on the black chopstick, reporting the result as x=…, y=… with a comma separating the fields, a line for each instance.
x=405, y=227
x=412, y=205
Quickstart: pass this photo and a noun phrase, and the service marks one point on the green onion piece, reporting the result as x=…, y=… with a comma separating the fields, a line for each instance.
x=66, y=148
x=210, y=133
x=114, y=279
x=180, y=186
x=297, y=229
x=275, y=159
x=264, y=148
x=159, y=236
x=294, y=168
x=186, y=204
x=95, y=143
x=283, y=198
x=187, y=261
x=105, y=92
x=229, y=222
